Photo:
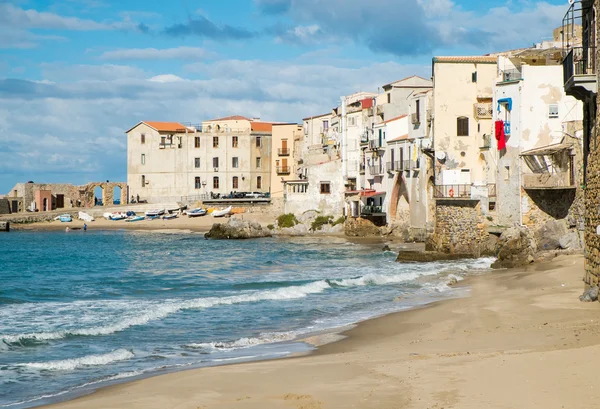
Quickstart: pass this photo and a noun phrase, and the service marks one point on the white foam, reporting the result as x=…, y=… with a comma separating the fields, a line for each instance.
x=267, y=338
x=89, y=360
x=380, y=279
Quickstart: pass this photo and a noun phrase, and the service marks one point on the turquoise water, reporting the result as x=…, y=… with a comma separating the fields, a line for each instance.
x=82, y=310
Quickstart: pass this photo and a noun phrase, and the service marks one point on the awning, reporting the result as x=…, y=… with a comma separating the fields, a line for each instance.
x=547, y=150
x=507, y=101
x=364, y=193
x=370, y=194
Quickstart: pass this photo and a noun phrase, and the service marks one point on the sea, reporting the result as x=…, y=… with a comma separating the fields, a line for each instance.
x=82, y=310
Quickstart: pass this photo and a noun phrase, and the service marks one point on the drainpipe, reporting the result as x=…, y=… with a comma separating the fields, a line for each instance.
x=344, y=141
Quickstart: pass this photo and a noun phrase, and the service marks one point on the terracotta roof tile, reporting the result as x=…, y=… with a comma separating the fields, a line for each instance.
x=261, y=126
x=483, y=59
x=164, y=126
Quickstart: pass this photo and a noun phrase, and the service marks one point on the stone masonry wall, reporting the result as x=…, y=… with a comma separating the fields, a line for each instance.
x=458, y=227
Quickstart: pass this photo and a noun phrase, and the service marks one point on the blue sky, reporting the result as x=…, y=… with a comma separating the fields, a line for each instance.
x=75, y=74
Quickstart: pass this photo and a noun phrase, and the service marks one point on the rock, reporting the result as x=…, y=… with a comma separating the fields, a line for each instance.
x=516, y=247
x=386, y=248
x=361, y=228
x=590, y=295
x=452, y=281
x=297, y=230
x=308, y=216
x=548, y=236
x=424, y=256
x=570, y=241
x=329, y=229
x=237, y=229
x=489, y=246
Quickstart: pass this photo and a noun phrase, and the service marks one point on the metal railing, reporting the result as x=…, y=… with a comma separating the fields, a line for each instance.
x=548, y=180
x=579, y=61
x=512, y=75
x=375, y=170
x=369, y=210
x=284, y=170
x=283, y=151
x=389, y=166
x=452, y=192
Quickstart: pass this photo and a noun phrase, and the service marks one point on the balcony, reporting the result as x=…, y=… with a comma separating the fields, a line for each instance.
x=372, y=211
x=284, y=170
x=374, y=145
x=375, y=170
x=283, y=151
x=548, y=181
x=452, y=192
x=390, y=166
x=579, y=72
x=361, y=168
x=511, y=75
x=486, y=142
x=483, y=110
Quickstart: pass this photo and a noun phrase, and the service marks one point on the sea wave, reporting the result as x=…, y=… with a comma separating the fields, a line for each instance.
x=89, y=360
x=267, y=338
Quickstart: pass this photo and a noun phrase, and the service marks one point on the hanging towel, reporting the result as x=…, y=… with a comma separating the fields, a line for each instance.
x=500, y=135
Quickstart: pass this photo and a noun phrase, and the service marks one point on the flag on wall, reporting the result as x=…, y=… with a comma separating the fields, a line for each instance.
x=500, y=137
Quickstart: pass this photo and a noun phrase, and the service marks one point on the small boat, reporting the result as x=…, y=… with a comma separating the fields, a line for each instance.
x=130, y=213
x=170, y=216
x=85, y=217
x=107, y=216
x=65, y=218
x=196, y=212
x=223, y=212
x=151, y=213
x=118, y=216
x=135, y=218
x=152, y=217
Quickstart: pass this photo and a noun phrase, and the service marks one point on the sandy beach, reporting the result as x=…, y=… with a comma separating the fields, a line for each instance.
x=521, y=340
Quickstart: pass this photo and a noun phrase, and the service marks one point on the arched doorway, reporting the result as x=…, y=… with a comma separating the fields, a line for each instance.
x=98, y=196
x=399, y=201
x=117, y=195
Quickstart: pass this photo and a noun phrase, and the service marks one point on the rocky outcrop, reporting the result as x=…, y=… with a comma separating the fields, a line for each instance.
x=424, y=256
x=361, y=228
x=236, y=229
x=516, y=247
x=548, y=236
x=571, y=241
x=590, y=295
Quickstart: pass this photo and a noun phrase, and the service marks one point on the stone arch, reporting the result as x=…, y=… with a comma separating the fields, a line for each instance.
x=399, y=199
x=108, y=189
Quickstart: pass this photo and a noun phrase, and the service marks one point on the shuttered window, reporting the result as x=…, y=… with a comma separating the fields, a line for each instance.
x=462, y=126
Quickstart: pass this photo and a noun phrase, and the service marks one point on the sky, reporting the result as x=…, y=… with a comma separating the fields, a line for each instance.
x=76, y=74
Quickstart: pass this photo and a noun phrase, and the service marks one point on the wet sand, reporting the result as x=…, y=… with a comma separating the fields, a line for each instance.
x=521, y=340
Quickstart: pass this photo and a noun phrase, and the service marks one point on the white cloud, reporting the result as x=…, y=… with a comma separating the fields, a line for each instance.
x=177, y=53
x=27, y=19
x=166, y=78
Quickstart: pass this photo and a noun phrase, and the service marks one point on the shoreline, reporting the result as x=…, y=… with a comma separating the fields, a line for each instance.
x=532, y=318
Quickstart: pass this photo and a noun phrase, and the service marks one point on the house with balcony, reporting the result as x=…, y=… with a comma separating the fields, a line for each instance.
x=580, y=78
x=538, y=132
x=462, y=128
x=284, y=158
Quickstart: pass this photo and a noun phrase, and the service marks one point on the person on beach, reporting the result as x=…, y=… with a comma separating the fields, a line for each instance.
x=84, y=227
x=67, y=229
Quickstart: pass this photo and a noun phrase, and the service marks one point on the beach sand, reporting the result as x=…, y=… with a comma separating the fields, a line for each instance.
x=521, y=340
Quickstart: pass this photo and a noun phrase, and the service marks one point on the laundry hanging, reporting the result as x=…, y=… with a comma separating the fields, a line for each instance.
x=500, y=137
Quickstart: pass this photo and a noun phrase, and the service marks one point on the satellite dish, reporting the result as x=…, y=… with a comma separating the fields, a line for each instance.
x=440, y=155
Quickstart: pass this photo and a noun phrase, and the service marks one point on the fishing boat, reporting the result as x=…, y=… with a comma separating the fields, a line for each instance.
x=196, y=212
x=86, y=217
x=224, y=212
x=170, y=216
x=135, y=218
x=151, y=213
x=118, y=216
x=152, y=217
x=65, y=218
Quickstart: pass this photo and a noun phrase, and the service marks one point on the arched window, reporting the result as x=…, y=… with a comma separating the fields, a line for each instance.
x=462, y=126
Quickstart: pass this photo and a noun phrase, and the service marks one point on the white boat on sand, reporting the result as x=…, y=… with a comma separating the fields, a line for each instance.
x=157, y=212
x=224, y=212
x=85, y=217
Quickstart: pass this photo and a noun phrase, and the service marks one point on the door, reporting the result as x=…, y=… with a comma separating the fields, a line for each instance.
x=284, y=165
x=60, y=201
x=15, y=206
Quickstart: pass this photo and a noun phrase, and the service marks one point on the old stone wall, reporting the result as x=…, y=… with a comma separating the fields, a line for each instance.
x=458, y=227
x=4, y=206
x=541, y=206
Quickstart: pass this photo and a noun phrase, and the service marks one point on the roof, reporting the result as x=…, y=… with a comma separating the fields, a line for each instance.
x=547, y=150
x=230, y=118
x=162, y=126
x=399, y=138
x=364, y=192
x=261, y=126
x=404, y=79
x=395, y=119
x=316, y=116
x=481, y=59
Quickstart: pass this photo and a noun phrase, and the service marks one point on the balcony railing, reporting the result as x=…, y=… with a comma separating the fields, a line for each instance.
x=560, y=180
x=361, y=168
x=375, y=170
x=452, y=192
x=283, y=151
x=370, y=210
x=511, y=75
x=483, y=110
x=390, y=166
x=284, y=170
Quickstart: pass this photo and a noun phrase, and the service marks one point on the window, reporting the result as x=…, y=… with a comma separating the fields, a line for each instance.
x=234, y=162
x=258, y=163
x=351, y=121
x=418, y=108
x=553, y=111
x=215, y=182
x=163, y=140
x=474, y=77
x=143, y=158
x=325, y=125
x=325, y=188
x=215, y=141
x=235, y=182
x=258, y=141
x=234, y=142
x=197, y=142
x=462, y=126
x=143, y=180
x=196, y=163
x=259, y=182
x=389, y=97
x=197, y=183
x=215, y=163
x=143, y=138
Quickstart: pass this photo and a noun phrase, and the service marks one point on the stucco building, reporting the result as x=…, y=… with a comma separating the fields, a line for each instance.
x=284, y=145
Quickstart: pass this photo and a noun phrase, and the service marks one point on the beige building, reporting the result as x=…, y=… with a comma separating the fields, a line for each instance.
x=169, y=161
x=284, y=158
x=462, y=123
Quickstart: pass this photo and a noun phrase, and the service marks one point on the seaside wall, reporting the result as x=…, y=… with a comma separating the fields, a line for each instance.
x=458, y=227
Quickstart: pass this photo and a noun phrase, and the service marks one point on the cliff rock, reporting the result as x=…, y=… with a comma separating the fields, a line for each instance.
x=516, y=247
x=236, y=229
